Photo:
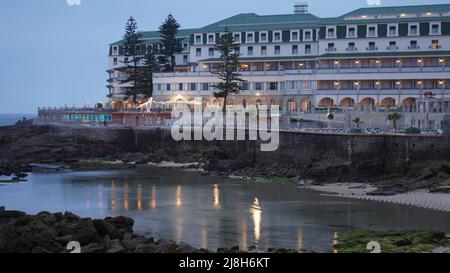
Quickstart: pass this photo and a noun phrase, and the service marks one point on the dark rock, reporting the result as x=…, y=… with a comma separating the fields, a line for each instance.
x=121, y=223
x=404, y=242
x=11, y=214
x=116, y=247
x=95, y=248
x=104, y=228
x=83, y=231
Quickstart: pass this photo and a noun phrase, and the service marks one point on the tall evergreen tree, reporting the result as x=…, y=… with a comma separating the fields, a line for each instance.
x=228, y=69
x=132, y=49
x=170, y=44
x=151, y=66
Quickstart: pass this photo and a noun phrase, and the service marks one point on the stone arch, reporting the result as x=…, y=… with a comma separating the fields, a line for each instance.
x=326, y=102
x=292, y=105
x=408, y=101
x=347, y=102
x=368, y=101
x=388, y=102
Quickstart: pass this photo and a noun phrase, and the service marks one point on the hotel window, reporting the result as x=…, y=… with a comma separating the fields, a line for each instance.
x=250, y=38
x=185, y=59
x=308, y=36
x=294, y=49
x=351, y=32
x=168, y=87
x=185, y=47
x=413, y=45
x=211, y=38
x=115, y=50
x=392, y=31
x=435, y=29
x=392, y=45
x=372, y=32
x=307, y=49
x=125, y=61
x=205, y=86
x=198, y=39
x=115, y=61
x=277, y=36
x=331, y=32
x=258, y=86
x=413, y=30
x=331, y=47
x=277, y=50
x=372, y=46
x=351, y=47
x=273, y=86
x=198, y=52
x=264, y=50
x=192, y=86
x=180, y=87
x=237, y=37
x=435, y=44
x=237, y=51
x=211, y=52
x=263, y=36
x=250, y=51
x=294, y=35
x=245, y=86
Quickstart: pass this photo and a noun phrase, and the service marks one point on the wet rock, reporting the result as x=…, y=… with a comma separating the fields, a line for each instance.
x=105, y=228
x=122, y=224
x=83, y=231
x=116, y=247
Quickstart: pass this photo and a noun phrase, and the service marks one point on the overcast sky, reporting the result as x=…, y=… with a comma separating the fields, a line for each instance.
x=53, y=53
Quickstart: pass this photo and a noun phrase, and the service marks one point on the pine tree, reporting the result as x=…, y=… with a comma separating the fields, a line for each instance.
x=132, y=49
x=228, y=69
x=170, y=44
x=151, y=66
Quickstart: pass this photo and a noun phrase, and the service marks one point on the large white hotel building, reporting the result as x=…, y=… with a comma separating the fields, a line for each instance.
x=377, y=56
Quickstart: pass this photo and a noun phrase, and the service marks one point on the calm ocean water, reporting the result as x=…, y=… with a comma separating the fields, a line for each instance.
x=11, y=119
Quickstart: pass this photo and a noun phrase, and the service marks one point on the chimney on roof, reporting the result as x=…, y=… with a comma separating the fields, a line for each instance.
x=301, y=8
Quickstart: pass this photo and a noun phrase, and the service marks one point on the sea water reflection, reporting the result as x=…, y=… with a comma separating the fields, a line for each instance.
x=212, y=212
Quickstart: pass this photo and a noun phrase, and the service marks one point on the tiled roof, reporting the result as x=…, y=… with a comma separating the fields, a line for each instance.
x=252, y=21
x=414, y=9
x=154, y=36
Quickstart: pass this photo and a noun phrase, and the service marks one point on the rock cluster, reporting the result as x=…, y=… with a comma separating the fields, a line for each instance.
x=51, y=233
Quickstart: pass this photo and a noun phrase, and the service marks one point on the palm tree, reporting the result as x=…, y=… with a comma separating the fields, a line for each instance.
x=358, y=122
x=394, y=117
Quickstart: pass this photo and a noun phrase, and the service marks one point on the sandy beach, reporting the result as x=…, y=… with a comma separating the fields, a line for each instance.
x=420, y=198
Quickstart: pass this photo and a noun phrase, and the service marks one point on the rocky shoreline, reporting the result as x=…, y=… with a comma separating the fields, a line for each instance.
x=52, y=232
x=24, y=143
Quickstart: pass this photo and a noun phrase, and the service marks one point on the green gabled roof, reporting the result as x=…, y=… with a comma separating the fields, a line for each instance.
x=154, y=36
x=252, y=21
x=414, y=9
x=386, y=54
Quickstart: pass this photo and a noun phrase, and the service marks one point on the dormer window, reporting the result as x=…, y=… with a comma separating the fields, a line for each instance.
x=277, y=36
x=307, y=35
x=413, y=30
x=372, y=31
x=392, y=30
x=435, y=29
x=351, y=32
x=263, y=37
x=331, y=32
x=250, y=37
x=115, y=50
x=237, y=37
x=211, y=38
x=198, y=39
x=294, y=35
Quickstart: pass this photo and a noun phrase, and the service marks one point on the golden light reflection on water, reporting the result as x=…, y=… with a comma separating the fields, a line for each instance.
x=335, y=241
x=299, y=240
x=178, y=199
x=125, y=196
x=153, y=202
x=244, y=239
x=139, y=197
x=113, y=196
x=256, y=212
x=216, y=193
x=100, y=196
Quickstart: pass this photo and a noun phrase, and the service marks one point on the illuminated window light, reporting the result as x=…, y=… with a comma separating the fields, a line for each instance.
x=441, y=82
x=419, y=61
x=398, y=83
x=419, y=82
x=377, y=83
x=399, y=61
x=441, y=60
x=357, y=62
x=336, y=62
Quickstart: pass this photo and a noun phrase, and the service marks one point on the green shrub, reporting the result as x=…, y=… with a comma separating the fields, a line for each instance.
x=413, y=130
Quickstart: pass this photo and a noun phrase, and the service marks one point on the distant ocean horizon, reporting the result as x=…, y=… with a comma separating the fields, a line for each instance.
x=11, y=119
